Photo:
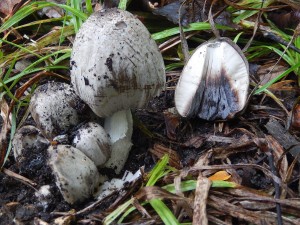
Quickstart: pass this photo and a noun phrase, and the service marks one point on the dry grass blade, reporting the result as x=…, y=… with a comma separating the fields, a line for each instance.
x=201, y=194
x=4, y=130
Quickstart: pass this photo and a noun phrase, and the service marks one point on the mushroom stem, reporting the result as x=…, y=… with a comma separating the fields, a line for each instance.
x=119, y=127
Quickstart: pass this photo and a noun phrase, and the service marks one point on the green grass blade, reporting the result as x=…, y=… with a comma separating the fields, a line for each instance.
x=164, y=212
x=190, y=185
x=268, y=84
x=123, y=4
x=89, y=7
x=191, y=27
x=12, y=134
x=33, y=7
x=158, y=171
x=118, y=211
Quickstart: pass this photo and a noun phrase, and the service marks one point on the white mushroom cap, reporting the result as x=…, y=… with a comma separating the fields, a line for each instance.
x=119, y=128
x=93, y=141
x=214, y=83
x=54, y=107
x=28, y=137
x=115, y=64
x=76, y=175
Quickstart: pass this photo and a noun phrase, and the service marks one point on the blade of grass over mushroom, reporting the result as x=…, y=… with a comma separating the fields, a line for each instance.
x=89, y=7
x=77, y=21
x=192, y=27
x=35, y=6
x=123, y=4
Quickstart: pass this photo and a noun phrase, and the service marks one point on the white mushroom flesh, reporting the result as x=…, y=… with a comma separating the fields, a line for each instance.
x=54, y=107
x=119, y=128
x=214, y=83
x=115, y=64
x=76, y=175
x=93, y=141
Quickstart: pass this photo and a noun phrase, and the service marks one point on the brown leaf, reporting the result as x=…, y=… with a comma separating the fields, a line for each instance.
x=6, y=6
x=172, y=121
x=159, y=151
x=195, y=142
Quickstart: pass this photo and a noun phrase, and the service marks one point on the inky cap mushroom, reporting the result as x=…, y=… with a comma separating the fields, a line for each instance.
x=92, y=140
x=115, y=64
x=54, y=107
x=214, y=83
x=76, y=175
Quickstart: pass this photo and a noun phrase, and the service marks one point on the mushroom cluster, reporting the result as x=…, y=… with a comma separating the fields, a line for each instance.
x=115, y=66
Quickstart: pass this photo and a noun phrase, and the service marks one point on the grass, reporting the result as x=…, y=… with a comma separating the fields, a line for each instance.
x=50, y=54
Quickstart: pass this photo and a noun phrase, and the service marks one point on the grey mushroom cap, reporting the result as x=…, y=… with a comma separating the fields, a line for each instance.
x=76, y=175
x=54, y=107
x=93, y=141
x=214, y=83
x=115, y=64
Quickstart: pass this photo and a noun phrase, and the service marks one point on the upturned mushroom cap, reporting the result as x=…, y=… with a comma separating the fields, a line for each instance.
x=76, y=175
x=28, y=137
x=54, y=107
x=93, y=141
x=214, y=83
x=115, y=64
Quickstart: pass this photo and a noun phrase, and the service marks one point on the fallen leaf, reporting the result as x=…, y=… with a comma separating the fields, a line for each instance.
x=221, y=175
x=6, y=6
x=172, y=121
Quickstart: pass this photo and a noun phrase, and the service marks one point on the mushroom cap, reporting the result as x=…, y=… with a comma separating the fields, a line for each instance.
x=54, y=107
x=115, y=64
x=93, y=141
x=76, y=175
x=28, y=137
x=214, y=83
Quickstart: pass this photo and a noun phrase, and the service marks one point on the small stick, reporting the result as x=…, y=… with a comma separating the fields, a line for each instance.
x=20, y=178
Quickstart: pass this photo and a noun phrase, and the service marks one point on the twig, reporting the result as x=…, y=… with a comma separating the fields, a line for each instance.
x=277, y=188
x=20, y=178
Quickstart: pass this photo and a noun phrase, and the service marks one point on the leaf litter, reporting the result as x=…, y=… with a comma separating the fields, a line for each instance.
x=226, y=172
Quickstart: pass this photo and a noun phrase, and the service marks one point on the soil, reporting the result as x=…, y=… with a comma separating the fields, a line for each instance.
x=21, y=203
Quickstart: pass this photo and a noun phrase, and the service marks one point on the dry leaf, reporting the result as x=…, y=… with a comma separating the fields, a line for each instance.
x=172, y=121
x=6, y=6
x=221, y=175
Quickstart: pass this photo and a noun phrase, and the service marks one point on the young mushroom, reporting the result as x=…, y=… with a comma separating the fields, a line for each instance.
x=116, y=66
x=76, y=175
x=214, y=83
x=93, y=141
x=55, y=108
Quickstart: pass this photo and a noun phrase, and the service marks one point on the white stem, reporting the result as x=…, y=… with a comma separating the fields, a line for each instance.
x=119, y=127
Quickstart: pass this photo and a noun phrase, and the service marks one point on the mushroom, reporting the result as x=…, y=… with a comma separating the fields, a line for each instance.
x=214, y=83
x=92, y=140
x=116, y=66
x=28, y=137
x=76, y=175
x=119, y=128
x=55, y=108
